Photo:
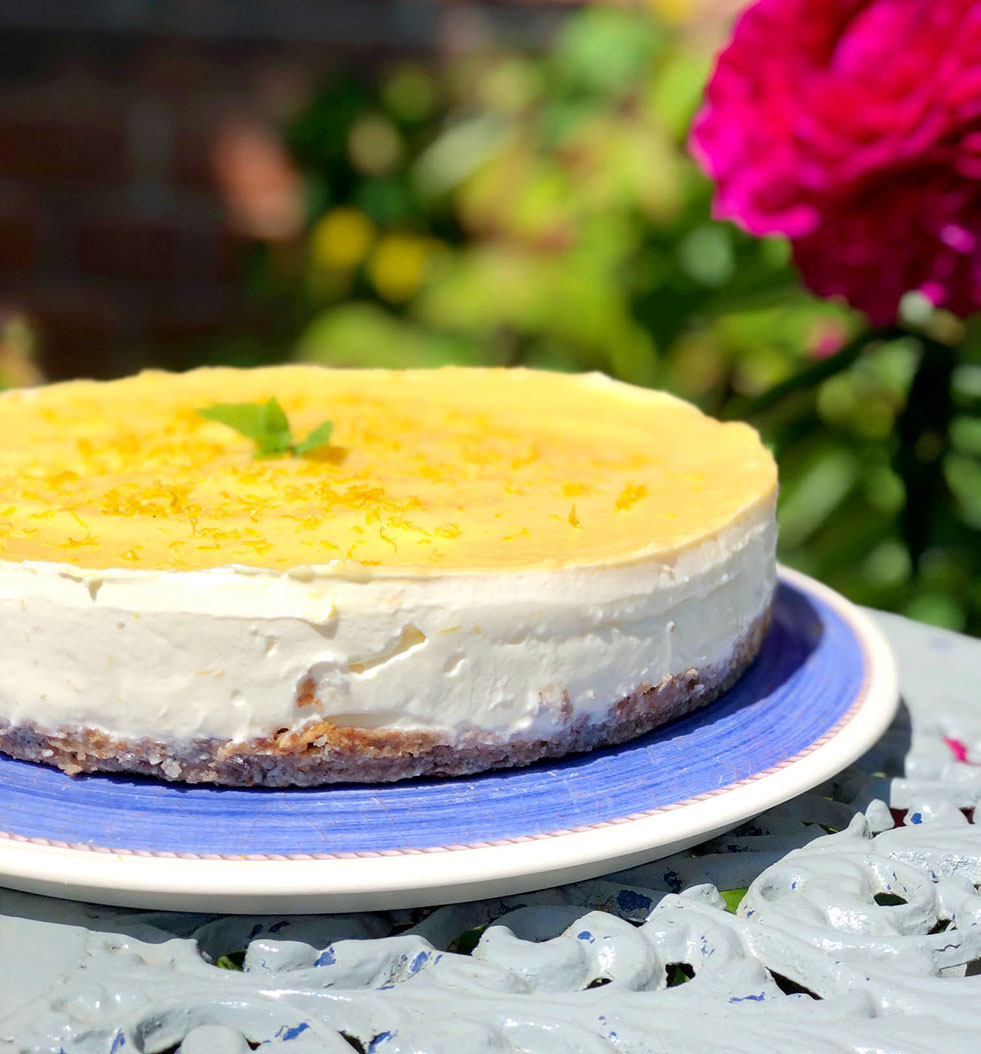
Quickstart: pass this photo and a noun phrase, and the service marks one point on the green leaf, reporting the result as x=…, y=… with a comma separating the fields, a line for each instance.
x=249, y=419
x=678, y=973
x=276, y=425
x=267, y=426
x=275, y=439
x=467, y=941
x=319, y=437
x=732, y=898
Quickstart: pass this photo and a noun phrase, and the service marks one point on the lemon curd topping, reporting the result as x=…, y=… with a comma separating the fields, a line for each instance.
x=438, y=470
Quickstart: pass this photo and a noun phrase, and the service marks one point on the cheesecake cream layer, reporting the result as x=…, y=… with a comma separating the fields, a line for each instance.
x=505, y=559
x=241, y=653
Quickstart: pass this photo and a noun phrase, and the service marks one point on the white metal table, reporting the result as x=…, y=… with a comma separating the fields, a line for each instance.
x=860, y=930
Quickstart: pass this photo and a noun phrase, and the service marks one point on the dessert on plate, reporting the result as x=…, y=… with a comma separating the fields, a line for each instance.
x=479, y=569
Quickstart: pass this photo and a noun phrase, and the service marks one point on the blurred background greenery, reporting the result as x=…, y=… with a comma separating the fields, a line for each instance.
x=510, y=206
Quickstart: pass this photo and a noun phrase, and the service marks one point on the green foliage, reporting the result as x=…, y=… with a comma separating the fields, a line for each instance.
x=363, y=335
x=732, y=898
x=507, y=207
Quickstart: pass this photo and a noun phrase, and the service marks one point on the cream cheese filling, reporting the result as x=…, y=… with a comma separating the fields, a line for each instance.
x=237, y=653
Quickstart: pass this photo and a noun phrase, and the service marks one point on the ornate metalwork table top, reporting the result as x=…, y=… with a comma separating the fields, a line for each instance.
x=848, y=919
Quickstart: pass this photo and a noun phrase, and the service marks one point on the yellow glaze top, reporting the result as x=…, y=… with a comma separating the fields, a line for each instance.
x=428, y=470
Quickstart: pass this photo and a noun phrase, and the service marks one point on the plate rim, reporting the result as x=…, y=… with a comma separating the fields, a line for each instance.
x=365, y=880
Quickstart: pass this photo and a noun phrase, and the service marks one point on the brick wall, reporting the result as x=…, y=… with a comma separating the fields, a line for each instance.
x=121, y=129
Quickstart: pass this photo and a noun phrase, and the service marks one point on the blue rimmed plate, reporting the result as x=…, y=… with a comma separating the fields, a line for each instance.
x=821, y=692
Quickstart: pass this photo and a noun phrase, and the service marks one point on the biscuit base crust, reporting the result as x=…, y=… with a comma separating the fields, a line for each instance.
x=322, y=753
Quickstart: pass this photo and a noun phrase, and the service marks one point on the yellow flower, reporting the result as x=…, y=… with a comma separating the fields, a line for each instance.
x=675, y=10
x=398, y=265
x=374, y=145
x=341, y=239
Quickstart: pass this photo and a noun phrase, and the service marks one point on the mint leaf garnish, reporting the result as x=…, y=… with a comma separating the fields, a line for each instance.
x=247, y=418
x=275, y=438
x=267, y=426
x=319, y=437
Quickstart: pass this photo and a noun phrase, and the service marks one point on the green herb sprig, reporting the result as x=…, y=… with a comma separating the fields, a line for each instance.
x=267, y=426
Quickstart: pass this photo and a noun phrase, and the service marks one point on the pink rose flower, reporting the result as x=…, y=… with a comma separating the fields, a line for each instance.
x=854, y=128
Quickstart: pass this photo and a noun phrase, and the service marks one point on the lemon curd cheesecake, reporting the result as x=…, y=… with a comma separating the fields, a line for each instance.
x=472, y=569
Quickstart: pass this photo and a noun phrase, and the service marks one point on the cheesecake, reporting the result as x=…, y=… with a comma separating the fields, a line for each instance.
x=480, y=568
